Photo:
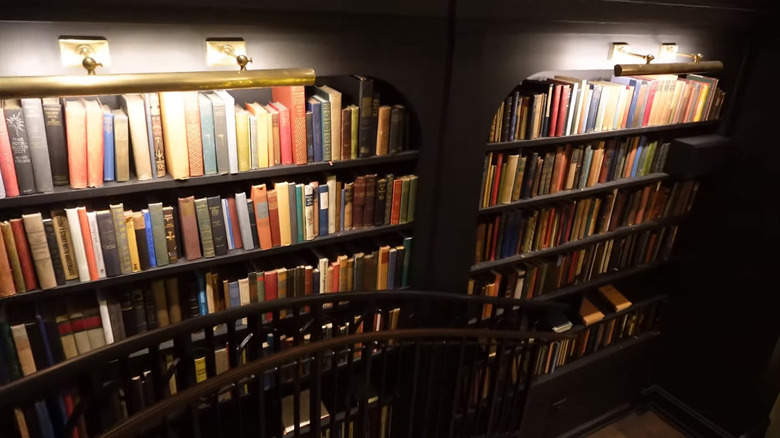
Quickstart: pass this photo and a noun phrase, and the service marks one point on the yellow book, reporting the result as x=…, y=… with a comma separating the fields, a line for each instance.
x=381, y=275
x=200, y=370
x=264, y=156
x=131, y=243
x=175, y=134
x=242, y=139
x=700, y=103
x=283, y=200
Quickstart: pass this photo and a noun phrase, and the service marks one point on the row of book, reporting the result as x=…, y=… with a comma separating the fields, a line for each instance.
x=564, y=105
x=535, y=278
x=598, y=332
x=507, y=178
x=88, y=245
x=85, y=142
x=525, y=230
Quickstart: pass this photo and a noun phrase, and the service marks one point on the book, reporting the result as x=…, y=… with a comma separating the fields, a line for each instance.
x=121, y=146
x=359, y=91
x=207, y=134
x=242, y=139
x=97, y=247
x=108, y=243
x=171, y=238
x=383, y=131
x=589, y=313
x=218, y=233
x=78, y=242
x=39, y=250
x=157, y=223
x=54, y=253
x=7, y=164
x=20, y=147
x=176, y=136
x=120, y=230
x=155, y=132
x=617, y=301
x=109, y=160
x=294, y=99
x=243, y=221
x=261, y=128
x=189, y=226
x=32, y=110
x=221, y=139
x=230, y=117
x=139, y=231
x=259, y=198
x=133, y=106
x=204, y=227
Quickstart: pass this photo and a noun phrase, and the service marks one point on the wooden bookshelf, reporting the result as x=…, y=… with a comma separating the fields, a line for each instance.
x=576, y=193
x=568, y=246
x=546, y=141
x=64, y=193
x=183, y=265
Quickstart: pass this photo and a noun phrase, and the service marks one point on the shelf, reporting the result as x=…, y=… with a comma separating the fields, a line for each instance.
x=595, y=357
x=622, y=231
x=63, y=193
x=545, y=141
x=568, y=194
x=598, y=281
x=183, y=265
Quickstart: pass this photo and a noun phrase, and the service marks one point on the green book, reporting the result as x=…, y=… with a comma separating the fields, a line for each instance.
x=407, y=260
x=158, y=232
x=299, y=208
x=120, y=229
x=404, y=200
x=389, y=198
x=204, y=226
x=517, y=186
x=648, y=164
x=412, y=198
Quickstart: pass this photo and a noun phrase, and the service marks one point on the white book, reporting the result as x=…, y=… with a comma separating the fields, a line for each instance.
x=78, y=243
x=97, y=249
x=586, y=109
x=105, y=317
x=226, y=221
x=39, y=147
x=308, y=192
x=230, y=115
x=322, y=266
x=581, y=102
x=603, y=103
x=620, y=111
x=133, y=106
x=243, y=221
x=331, y=204
x=574, y=100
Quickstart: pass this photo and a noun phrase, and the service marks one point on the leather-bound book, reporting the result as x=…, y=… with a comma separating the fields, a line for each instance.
x=7, y=160
x=262, y=215
x=359, y=90
x=120, y=231
x=359, y=202
x=158, y=233
x=346, y=133
x=108, y=243
x=383, y=131
x=589, y=313
x=97, y=249
x=204, y=227
x=132, y=244
x=218, y=234
x=370, y=271
x=54, y=251
x=65, y=244
x=139, y=319
x=39, y=250
x=175, y=135
x=17, y=134
x=39, y=147
x=616, y=299
x=139, y=227
x=294, y=98
x=189, y=228
x=23, y=252
x=152, y=105
x=397, y=129
x=7, y=287
x=395, y=214
x=128, y=313
x=160, y=303
x=381, y=201
x=169, y=232
x=235, y=230
x=94, y=143
x=273, y=218
x=250, y=209
x=370, y=201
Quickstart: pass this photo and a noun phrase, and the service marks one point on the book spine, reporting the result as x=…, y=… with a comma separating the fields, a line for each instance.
x=97, y=248
x=138, y=224
x=17, y=134
x=94, y=143
x=370, y=201
x=326, y=131
x=194, y=139
x=309, y=137
x=39, y=148
x=7, y=168
x=323, y=213
x=346, y=133
x=204, y=227
x=109, y=159
x=299, y=202
x=39, y=250
x=189, y=228
x=218, y=233
x=54, y=253
x=21, y=252
x=316, y=124
x=149, y=238
x=207, y=134
x=358, y=202
x=55, y=135
x=243, y=221
x=108, y=243
x=365, y=128
x=220, y=134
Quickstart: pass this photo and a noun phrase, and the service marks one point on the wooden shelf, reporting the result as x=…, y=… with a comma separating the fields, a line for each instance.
x=546, y=141
x=599, y=281
x=595, y=357
x=183, y=265
x=576, y=193
x=568, y=246
x=64, y=194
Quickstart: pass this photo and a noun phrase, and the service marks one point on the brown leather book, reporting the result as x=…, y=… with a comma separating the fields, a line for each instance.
x=194, y=139
x=395, y=214
x=23, y=250
x=589, y=313
x=358, y=202
x=384, y=259
x=369, y=271
x=383, y=131
x=13, y=256
x=153, y=103
x=170, y=234
x=39, y=250
x=65, y=244
x=346, y=133
x=235, y=230
x=349, y=196
x=368, y=208
x=273, y=217
x=614, y=297
x=189, y=228
x=6, y=275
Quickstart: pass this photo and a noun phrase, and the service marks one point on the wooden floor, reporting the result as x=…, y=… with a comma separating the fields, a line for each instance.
x=647, y=425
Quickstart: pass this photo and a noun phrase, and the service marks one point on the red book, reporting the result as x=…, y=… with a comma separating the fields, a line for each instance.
x=395, y=214
x=563, y=108
x=76, y=134
x=336, y=269
x=294, y=99
x=556, y=100
x=94, y=126
x=605, y=162
x=273, y=218
x=271, y=287
x=308, y=281
x=86, y=235
x=7, y=160
x=649, y=104
x=285, y=130
x=234, y=228
x=494, y=238
x=496, y=180
x=25, y=258
x=550, y=222
x=569, y=222
x=260, y=200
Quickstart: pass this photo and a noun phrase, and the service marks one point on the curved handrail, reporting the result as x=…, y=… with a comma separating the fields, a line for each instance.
x=26, y=388
x=184, y=398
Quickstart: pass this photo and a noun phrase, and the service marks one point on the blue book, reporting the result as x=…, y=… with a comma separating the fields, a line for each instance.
x=44, y=423
x=315, y=281
x=635, y=164
x=203, y=306
x=109, y=173
x=207, y=135
x=585, y=167
x=341, y=216
x=299, y=206
x=391, y=269
x=634, y=98
x=315, y=106
x=149, y=238
x=407, y=260
x=56, y=405
x=326, y=125
x=594, y=108
x=234, y=294
x=323, y=191
x=228, y=224
x=513, y=120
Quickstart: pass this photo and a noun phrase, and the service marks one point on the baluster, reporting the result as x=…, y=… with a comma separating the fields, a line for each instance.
x=185, y=378
x=413, y=399
x=496, y=376
x=315, y=392
x=89, y=392
x=297, y=398
x=528, y=374
x=456, y=393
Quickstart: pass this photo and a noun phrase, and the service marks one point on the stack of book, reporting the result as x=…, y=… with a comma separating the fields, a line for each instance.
x=534, y=278
x=507, y=178
x=86, y=142
x=564, y=105
x=88, y=245
x=525, y=230
x=598, y=332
